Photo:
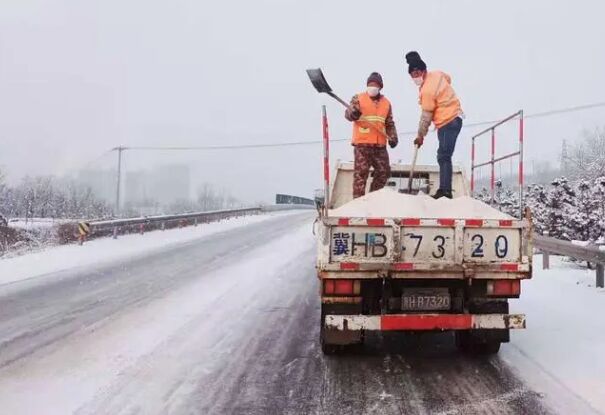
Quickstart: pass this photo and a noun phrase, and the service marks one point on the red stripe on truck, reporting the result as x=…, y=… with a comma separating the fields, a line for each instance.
x=474, y=222
x=426, y=322
x=509, y=267
x=410, y=222
x=349, y=266
x=506, y=222
x=446, y=222
x=375, y=222
x=403, y=266
x=343, y=221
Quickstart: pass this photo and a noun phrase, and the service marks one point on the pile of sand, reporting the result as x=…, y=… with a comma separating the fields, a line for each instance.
x=390, y=204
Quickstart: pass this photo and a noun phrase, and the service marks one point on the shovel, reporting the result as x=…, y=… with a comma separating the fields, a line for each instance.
x=409, y=189
x=321, y=85
x=319, y=82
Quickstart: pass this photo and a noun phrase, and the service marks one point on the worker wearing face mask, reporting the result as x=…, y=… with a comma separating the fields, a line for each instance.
x=440, y=106
x=373, y=127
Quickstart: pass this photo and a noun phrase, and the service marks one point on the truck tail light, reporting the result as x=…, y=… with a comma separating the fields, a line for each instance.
x=342, y=287
x=504, y=288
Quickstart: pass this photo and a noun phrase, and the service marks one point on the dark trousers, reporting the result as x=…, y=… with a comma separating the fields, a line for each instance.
x=366, y=157
x=448, y=134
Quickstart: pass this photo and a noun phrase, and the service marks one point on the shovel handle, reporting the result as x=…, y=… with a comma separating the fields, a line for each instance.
x=337, y=98
x=412, y=169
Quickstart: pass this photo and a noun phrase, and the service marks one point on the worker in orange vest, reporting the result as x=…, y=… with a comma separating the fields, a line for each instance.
x=373, y=127
x=440, y=106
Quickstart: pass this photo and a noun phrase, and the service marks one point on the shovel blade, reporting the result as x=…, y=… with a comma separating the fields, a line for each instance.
x=318, y=80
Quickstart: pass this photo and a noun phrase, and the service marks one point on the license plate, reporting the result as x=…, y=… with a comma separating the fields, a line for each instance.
x=492, y=245
x=427, y=244
x=425, y=300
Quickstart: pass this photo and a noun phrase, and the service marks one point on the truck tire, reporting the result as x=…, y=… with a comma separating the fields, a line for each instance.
x=333, y=341
x=327, y=348
x=474, y=345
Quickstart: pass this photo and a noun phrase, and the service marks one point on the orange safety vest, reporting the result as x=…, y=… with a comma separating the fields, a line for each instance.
x=372, y=112
x=438, y=97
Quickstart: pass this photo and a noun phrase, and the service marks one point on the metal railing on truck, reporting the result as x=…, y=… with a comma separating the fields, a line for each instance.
x=548, y=245
x=493, y=159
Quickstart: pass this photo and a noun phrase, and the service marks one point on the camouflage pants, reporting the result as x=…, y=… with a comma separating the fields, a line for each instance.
x=366, y=157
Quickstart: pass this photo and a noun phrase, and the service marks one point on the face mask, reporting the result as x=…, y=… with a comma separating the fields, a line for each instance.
x=373, y=91
x=418, y=81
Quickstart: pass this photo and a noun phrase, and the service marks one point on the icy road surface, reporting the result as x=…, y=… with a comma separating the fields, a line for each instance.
x=228, y=324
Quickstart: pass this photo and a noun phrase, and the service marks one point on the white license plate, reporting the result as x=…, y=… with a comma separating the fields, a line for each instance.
x=361, y=244
x=425, y=300
x=492, y=245
x=426, y=244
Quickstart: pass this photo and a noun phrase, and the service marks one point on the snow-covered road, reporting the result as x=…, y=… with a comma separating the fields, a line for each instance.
x=227, y=323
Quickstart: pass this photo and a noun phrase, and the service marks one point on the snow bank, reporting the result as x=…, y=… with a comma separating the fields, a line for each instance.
x=98, y=251
x=34, y=223
x=387, y=203
x=565, y=335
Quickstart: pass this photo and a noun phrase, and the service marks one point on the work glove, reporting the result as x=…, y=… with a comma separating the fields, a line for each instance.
x=355, y=114
x=419, y=141
x=392, y=142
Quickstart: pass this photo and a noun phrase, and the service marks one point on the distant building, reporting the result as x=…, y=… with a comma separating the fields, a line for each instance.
x=135, y=188
x=101, y=182
x=170, y=183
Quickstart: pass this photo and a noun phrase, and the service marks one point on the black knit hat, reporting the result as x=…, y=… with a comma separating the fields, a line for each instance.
x=375, y=77
x=414, y=62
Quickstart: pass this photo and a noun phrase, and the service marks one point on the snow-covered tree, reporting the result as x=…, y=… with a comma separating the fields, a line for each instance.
x=586, y=159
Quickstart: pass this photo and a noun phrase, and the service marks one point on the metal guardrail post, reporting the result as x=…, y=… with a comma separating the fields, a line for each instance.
x=590, y=254
x=545, y=260
x=115, y=232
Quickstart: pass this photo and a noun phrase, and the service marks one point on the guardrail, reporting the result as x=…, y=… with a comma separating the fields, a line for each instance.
x=548, y=245
x=115, y=227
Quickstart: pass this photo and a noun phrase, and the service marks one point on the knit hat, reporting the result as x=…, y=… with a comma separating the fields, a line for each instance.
x=415, y=63
x=375, y=77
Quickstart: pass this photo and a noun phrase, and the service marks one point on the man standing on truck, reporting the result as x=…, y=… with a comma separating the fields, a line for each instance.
x=441, y=106
x=373, y=126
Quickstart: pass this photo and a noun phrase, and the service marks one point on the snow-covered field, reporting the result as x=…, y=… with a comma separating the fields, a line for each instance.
x=99, y=251
x=563, y=347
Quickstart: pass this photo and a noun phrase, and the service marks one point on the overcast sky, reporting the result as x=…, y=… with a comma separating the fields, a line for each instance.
x=79, y=77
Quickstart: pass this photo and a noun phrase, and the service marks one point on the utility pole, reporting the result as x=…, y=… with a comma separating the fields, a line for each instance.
x=119, y=149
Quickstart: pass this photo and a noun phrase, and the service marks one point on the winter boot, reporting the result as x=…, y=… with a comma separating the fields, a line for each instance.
x=442, y=193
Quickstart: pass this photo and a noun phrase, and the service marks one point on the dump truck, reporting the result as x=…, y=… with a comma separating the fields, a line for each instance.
x=385, y=264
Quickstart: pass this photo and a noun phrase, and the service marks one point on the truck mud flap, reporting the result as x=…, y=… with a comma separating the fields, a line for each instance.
x=438, y=322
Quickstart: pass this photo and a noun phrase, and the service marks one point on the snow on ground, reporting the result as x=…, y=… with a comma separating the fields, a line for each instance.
x=102, y=250
x=565, y=335
x=34, y=223
x=111, y=355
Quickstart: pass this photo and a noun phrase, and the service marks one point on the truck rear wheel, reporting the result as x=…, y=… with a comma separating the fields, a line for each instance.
x=471, y=343
x=327, y=348
x=334, y=341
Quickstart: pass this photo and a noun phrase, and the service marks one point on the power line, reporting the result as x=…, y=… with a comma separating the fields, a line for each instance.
x=313, y=142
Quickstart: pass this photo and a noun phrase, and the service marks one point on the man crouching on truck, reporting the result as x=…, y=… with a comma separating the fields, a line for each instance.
x=373, y=125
